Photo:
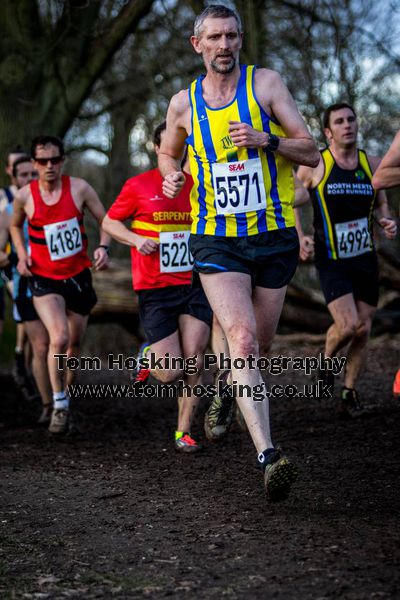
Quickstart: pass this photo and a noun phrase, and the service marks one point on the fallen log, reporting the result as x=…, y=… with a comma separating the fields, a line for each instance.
x=114, y=290
x=304, y=309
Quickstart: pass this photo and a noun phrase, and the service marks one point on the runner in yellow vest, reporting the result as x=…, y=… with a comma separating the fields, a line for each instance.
x=244, y=132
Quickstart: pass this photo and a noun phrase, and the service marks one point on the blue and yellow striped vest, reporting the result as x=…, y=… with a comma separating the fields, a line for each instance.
x=341, y=196
x=210, y=143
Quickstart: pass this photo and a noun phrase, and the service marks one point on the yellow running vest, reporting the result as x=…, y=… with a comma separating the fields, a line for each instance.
x=237, y=191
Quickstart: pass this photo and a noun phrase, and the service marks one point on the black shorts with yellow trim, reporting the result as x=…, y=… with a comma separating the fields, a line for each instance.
x=358, y=276
x=270, y=258
x=160, y=308
x=77, y=291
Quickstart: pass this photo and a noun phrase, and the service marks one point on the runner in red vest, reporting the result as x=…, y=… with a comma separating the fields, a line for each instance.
x=58, y=264
x=176, y=318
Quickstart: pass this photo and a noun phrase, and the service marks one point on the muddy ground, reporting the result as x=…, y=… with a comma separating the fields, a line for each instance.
x=114, y=512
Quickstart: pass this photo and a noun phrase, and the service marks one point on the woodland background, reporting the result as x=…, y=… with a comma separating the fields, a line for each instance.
x=100, y=73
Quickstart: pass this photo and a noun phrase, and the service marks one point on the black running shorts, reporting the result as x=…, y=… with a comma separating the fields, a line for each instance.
x=270, y=258
x=26, y=310
x=358, y=276
x=159, y=309
x=77, y=291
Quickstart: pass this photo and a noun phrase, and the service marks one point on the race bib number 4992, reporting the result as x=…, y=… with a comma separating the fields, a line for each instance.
x=238, y=186
x=175, y=255
x=63, y=239
x=353, y=238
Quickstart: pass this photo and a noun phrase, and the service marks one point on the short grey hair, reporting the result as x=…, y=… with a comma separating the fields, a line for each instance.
x=215, y=11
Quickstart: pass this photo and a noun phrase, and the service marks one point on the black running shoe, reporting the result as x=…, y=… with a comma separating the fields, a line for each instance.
x=351, y=406
x=219, y=416
x=279, y=474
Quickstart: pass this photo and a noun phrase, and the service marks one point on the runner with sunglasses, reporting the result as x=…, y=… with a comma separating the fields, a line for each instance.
x=58, y=263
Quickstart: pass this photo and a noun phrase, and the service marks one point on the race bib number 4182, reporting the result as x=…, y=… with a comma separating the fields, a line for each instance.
x=353, y=238
x=238, y=186
x=63, y=239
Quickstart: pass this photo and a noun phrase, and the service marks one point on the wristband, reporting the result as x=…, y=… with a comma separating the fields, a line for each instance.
x=273, y=143
x=105, y=247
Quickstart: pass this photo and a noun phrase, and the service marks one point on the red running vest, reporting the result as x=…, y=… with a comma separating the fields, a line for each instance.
x=58, y=243
x=164, y=220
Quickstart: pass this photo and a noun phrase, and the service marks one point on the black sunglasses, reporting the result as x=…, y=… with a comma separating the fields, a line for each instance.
x=55, y=160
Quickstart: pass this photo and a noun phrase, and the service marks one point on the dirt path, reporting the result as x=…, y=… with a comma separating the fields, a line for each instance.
x=115, y=513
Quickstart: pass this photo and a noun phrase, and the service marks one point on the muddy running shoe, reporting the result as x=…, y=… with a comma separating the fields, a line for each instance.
x=219, y=416
x=59, y=421
x=24, y=380
x=351, y=406
x=396, y=385
x=185, y=443
x=29, y=389
x=279, y=474
x=45, y=416
x=19, y=369
x=141, y=374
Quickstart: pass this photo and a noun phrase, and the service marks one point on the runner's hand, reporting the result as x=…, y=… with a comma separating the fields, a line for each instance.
x=23, y=266
x=101, y=259
x=243, y=135
x=146, y=246
x=173, y=183
x=306, y=247
x=389, y=227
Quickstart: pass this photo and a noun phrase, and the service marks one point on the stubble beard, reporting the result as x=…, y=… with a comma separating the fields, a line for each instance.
x=223, y=69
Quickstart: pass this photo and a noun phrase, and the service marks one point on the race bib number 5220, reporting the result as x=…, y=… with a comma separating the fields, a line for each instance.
x=239, y=186
x=63, y=239
x=175, y=255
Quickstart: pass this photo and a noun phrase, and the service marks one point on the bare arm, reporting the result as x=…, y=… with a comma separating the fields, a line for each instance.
x=173, y=144
x=306, y=241
x=388, y=172
x=301, y=195
x=305, y=175
x=16, y=232
x=96, y=208
x=117, y=230
x=275, y=98
x=382, y=212
x=384, y=217
x=4, y=224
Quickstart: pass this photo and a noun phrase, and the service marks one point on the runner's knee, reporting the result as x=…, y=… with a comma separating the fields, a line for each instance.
x=242, y=340
x=348, y=329
x=40, y=349
x=364, y=329
x=59, y=341
x=168, y=375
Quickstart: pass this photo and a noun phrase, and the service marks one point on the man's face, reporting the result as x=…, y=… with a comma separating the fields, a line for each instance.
x=25, y=174
x=48, y=162
x=10, y=163
x=342, y=128
x=219, y=43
